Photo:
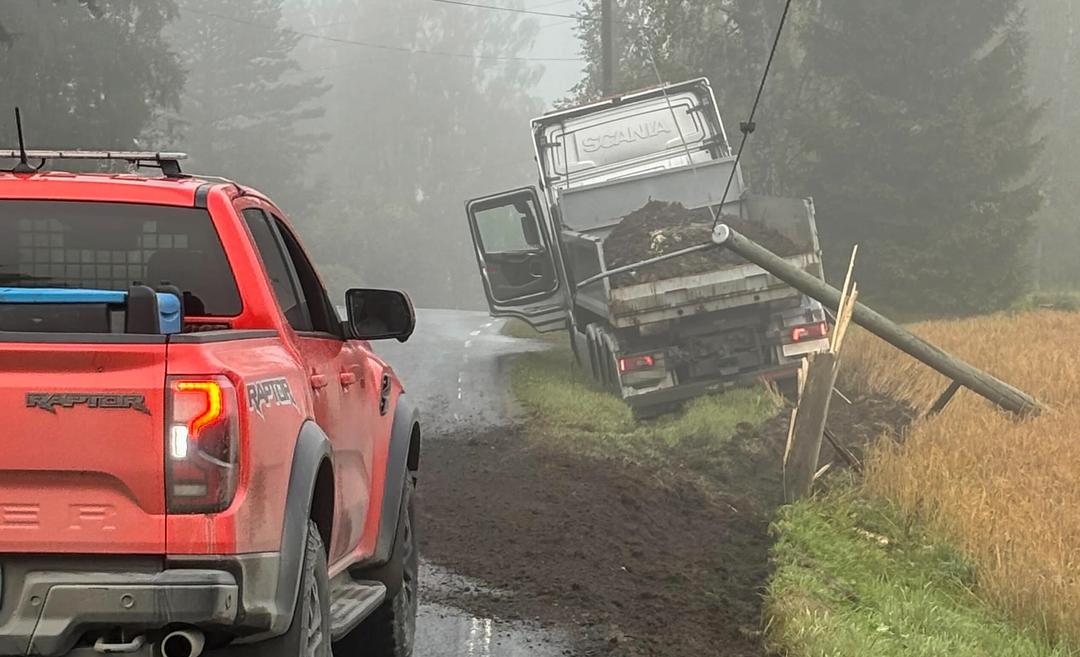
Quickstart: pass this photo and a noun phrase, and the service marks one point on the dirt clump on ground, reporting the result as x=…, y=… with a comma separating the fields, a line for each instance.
x=625, y=559
x=661, y=228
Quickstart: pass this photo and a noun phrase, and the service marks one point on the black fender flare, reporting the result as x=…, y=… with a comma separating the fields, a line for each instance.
x=312, y=449
x=402, y=460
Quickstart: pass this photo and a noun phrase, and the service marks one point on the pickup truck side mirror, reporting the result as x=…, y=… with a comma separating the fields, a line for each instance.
x=380, y=314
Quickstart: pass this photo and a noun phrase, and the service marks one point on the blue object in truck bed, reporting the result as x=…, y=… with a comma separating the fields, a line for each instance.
x=169, y=312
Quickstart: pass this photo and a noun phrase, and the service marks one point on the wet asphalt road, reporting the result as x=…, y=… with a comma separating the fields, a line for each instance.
x=455, y=368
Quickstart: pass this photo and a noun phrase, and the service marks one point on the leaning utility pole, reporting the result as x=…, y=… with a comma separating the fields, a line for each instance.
x=962, y=374
x=607, y=46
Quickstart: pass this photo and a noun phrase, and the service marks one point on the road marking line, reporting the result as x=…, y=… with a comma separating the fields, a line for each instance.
x=468, y=343
x=475, y=333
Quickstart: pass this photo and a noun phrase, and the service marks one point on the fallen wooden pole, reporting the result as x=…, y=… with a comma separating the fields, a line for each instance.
x=997, y=391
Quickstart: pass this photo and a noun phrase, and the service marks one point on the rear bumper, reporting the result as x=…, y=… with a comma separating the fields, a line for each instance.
x=659, y=398
x=50, y=606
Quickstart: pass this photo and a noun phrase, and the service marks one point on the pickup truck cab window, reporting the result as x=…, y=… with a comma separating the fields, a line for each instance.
x=279, y=269
x=324, y=318
x=110, y=246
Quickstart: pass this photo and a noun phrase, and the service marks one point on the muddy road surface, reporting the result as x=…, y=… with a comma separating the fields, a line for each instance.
x=456, y=369
x=529, y=550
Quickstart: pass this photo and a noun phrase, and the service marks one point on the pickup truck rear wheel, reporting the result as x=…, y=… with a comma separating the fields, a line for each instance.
x=390, y=630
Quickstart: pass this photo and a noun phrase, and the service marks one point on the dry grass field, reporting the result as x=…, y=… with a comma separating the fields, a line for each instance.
x=1005, y=492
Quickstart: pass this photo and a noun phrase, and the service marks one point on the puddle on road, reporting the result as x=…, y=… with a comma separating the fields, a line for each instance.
x=445, y=631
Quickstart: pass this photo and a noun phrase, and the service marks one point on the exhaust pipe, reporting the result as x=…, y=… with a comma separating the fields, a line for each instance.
x=183, y=643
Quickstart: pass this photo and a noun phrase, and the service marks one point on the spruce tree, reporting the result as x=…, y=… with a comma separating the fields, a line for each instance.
x=247, y=105
x=434, y=111
x=86, y=74
x=1054, y=26
x=926, y=155
x=909, y=123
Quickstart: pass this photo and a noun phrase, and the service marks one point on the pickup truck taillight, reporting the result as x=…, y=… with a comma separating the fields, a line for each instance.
x=202, y=438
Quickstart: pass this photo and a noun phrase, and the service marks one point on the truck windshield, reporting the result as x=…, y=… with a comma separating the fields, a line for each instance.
x=110, y=246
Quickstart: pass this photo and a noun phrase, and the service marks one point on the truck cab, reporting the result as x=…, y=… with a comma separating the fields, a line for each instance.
x=541, y=250
x=200, y=453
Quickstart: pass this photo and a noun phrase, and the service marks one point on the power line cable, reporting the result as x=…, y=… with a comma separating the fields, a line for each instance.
x=378, y=46
x=529, y=12
x=746, y=127
x=749, y=126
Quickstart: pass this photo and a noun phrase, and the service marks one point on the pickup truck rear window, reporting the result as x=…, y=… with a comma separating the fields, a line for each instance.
x=109, y=246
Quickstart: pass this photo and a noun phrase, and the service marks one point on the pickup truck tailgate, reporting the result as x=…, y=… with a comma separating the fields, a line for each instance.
x=82, y=448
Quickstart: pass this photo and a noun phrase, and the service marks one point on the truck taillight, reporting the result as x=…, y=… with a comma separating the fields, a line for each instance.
x=202, y=438
x=633, y=363
x=810, y=332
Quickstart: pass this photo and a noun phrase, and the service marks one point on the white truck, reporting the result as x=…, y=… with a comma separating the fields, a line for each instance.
x=658, y=342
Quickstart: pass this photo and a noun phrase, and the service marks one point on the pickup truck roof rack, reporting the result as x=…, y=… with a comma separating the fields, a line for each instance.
x=169, y=163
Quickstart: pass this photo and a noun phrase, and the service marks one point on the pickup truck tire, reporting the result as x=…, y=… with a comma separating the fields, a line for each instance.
x=390, y=630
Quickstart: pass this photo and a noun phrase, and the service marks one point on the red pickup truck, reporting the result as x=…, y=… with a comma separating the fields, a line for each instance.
x=198, y=453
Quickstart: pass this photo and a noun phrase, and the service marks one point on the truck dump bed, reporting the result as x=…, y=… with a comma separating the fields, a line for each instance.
x=590, y=214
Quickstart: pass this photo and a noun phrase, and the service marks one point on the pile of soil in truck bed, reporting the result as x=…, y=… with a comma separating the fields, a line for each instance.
x=660, y=228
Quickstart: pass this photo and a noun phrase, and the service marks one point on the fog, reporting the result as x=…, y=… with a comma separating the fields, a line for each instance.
x=371, y=122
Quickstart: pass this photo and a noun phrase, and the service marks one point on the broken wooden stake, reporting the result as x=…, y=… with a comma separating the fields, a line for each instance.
x=943, y=400
x=808, y=426
x=846, y=454
x=815, y=393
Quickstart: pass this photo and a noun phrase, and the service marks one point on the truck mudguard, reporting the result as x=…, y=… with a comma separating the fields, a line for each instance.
x=401, y=459
x=312, y=449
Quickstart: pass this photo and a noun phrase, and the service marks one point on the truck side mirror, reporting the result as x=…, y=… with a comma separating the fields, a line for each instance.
x=380, y=314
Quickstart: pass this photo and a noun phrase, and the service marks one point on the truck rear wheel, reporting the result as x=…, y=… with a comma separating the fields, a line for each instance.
x=390, y=630
x=609, y=366
x=595, y=361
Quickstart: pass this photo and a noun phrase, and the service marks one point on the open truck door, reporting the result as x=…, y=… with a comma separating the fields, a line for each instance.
x=516, y=259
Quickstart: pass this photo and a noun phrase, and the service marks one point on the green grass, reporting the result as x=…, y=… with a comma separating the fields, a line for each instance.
x=569, y=410
x=852, y=579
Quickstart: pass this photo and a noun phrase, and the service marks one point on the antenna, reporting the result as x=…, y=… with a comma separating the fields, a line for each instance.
x=24, y=165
